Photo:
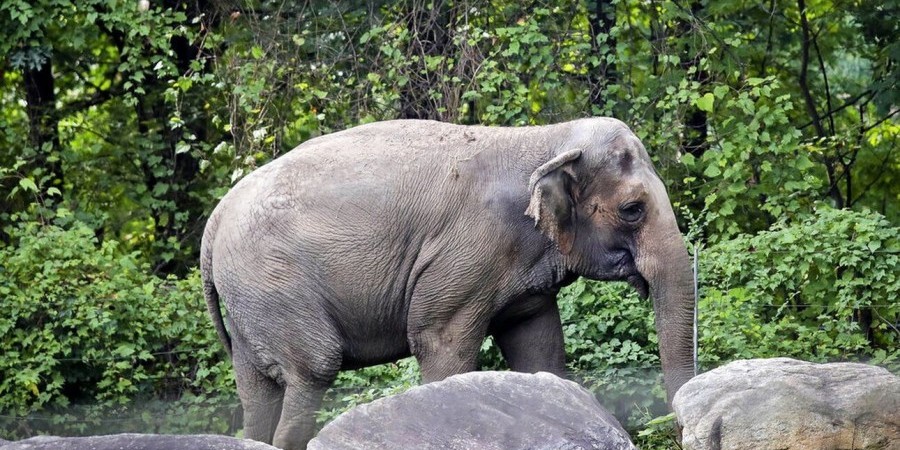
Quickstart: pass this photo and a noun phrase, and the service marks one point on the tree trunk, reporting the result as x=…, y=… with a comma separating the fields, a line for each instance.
x=43, y=119
x=603, y=20
x=696, y=122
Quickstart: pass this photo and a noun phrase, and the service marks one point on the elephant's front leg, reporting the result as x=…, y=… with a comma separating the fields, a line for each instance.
x=531, y=339
x=446, y=342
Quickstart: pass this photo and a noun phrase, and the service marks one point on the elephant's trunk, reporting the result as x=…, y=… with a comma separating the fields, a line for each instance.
x=664, y=263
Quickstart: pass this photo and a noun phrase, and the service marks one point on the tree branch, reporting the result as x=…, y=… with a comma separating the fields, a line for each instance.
x=804, y=66
x=852, y=101
x=765, y=60
x=825, y=78
x=882, y=120
x=99, y=97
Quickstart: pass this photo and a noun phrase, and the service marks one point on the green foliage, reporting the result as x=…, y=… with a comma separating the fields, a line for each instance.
x=822, y=289
x=84, y=324
x=525, y=66
x=611, y=345
x=656, y=432
x=748, y=163
x=124, y=139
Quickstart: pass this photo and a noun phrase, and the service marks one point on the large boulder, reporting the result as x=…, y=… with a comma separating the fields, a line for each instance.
x=483, y=410
x=786, y=404
x=137, y=442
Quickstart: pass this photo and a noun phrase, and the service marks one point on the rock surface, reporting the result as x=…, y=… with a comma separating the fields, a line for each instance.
x=136, y=442
x=786, y=404
x=483, y=410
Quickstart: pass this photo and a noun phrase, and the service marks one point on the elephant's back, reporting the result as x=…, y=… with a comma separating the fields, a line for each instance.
x=370, y=164
x=364, y=198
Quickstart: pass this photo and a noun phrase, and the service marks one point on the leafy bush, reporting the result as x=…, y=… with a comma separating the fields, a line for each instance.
x=84, y=328
x=611, y=345
x=822, y=289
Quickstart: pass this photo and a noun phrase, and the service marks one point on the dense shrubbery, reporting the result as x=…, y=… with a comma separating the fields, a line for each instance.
x=822, y=289
x=87, y=330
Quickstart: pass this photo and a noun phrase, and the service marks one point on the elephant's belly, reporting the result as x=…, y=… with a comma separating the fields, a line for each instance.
x=375, y=351
x=372, y=326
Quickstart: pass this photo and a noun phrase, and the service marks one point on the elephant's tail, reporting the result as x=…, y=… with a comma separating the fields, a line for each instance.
x=209, y=287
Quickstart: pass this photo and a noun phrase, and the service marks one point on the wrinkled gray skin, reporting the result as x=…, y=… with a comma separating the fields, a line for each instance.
x=422, y=238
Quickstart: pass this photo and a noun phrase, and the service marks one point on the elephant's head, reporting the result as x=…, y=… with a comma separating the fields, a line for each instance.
x=600, y=200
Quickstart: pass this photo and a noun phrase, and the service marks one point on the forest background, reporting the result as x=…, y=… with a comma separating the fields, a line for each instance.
x=774, y=124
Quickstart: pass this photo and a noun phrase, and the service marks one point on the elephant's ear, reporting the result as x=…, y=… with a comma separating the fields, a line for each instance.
x=552, y=205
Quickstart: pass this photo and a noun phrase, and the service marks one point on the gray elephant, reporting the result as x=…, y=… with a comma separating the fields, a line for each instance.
x=422, y=238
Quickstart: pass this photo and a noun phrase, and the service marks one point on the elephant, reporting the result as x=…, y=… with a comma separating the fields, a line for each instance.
x=411, y=237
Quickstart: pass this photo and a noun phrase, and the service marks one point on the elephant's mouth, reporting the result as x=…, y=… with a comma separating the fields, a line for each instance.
x=640, y=284
x=627, y=270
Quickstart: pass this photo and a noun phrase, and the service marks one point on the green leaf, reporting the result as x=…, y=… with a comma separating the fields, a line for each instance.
x=755, y=81
x=256, y=51
x=804, y=163
x=125, y=349
x=720, y=91
x=705, y=103
x=27, y=184
x=662, y=419
x=182, y=147
x=712, y=171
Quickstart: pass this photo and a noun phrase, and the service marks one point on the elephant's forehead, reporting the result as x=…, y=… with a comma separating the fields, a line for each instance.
x=633, y=187
x=624, y=160
x=621, y=187
x=625, y=155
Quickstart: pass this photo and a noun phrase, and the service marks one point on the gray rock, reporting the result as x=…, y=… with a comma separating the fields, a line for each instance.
x=786, y=404
x=483, y=410
x=137, y=442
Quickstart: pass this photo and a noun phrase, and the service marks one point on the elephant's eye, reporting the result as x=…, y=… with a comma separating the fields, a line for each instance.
x=631, y=212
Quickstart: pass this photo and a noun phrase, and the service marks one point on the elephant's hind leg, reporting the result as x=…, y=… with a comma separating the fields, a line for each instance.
x=261, y=398
x=302, y=399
